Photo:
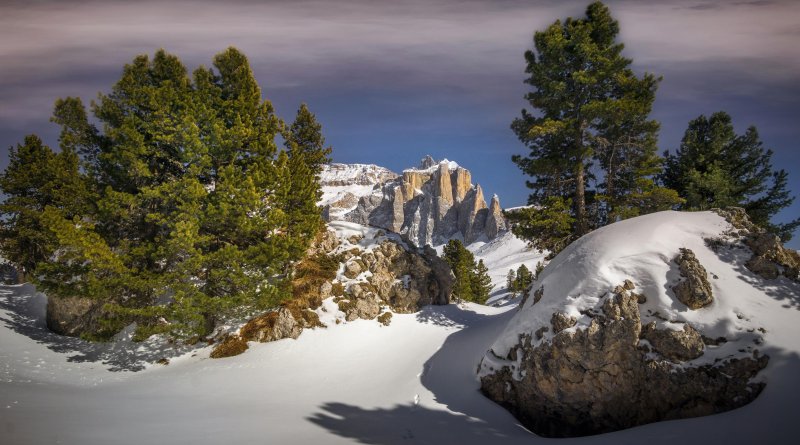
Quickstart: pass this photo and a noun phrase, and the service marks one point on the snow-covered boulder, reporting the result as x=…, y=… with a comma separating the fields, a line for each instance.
x=604, y=343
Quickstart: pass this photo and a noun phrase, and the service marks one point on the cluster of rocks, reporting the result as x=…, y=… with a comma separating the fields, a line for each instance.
x=429, y=205
x=390, y=275
x=770, y=259
x=387, y=276
x=617, y=373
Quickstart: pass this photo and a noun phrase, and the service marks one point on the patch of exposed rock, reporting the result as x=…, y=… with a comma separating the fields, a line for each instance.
x=387, y=275
x=429, y=205
x=600, y=378
x=694, y=290
x=272, y=326
x=676, y=346
x=401, y=279
x=75, y=316
x=770, y=259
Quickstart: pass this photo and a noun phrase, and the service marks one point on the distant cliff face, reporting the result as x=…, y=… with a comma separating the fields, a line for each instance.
x=430, y=204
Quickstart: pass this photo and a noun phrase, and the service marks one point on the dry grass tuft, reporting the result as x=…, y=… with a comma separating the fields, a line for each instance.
x=231, y=345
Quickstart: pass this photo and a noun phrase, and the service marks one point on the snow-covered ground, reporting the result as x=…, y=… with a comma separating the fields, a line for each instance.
x=359, y=382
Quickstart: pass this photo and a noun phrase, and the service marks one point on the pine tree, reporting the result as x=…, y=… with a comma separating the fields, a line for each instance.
x=37, y=179
x=715, y=167
x=481, y=283
x=524, y=279
x=306, y=135
x=511, y=278
x=462, y=262
x=175, y=212
x=306, y=154
x=588, y=106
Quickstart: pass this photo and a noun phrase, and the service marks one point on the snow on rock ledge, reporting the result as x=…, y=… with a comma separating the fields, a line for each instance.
x=605, y=344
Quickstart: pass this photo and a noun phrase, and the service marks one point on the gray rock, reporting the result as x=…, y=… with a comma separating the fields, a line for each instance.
x=352, y=269
x=74, y=316
x=770, y=259
x=272, y=326
x=694, y=290
x=597, y=379
x=429, y=206
x=560, y=321
x=676, y=346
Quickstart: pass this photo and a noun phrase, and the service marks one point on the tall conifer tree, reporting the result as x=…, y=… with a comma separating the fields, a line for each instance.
x=588, y=106
x=715, y=167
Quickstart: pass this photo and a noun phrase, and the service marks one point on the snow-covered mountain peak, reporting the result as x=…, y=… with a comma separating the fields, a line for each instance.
x=430, y=204
x=429, y=165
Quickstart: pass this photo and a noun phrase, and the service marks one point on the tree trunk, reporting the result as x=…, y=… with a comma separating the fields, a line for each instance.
x=580, y=199
x=580, y=185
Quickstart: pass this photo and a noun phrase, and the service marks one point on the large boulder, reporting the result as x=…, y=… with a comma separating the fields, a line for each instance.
x=602, y=379
x=612, y=336
x=275, y=325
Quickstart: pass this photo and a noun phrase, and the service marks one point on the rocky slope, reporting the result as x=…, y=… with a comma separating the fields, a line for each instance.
x=428, y=205
x=376, y=274
x=648, y=319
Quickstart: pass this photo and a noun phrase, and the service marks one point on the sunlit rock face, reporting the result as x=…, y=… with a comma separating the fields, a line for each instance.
x=430, y=204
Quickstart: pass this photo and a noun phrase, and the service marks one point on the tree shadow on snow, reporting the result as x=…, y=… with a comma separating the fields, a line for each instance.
x=403, y=424
x=450, y=375
x=25, y=314
x=781, y=288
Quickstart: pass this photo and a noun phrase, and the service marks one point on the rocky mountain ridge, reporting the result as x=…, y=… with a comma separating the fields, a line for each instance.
x=429, y=205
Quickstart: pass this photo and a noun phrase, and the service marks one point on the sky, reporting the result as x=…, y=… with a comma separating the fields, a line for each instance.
x=392, y=81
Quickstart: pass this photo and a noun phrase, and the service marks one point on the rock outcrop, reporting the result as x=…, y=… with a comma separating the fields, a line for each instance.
x=74, y=316
x=401, y=279
x=429, y=205
x=770, y=259
x=386, y=274
x=272, y=326
x=590, y=351
x=694, y=290
x=604, y=378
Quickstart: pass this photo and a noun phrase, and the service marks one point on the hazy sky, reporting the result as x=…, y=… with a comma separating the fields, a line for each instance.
x=392, y=81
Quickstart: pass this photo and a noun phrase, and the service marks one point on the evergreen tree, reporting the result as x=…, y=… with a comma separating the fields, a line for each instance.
x=715, y=167
x=547, y=226
x=462, y=262
x=306, y=135
x=511, y=278
x=524, y=279
x=589, y=106
x=481, y=283
x=176, y=213
x=306, y=154
x=37, y=179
